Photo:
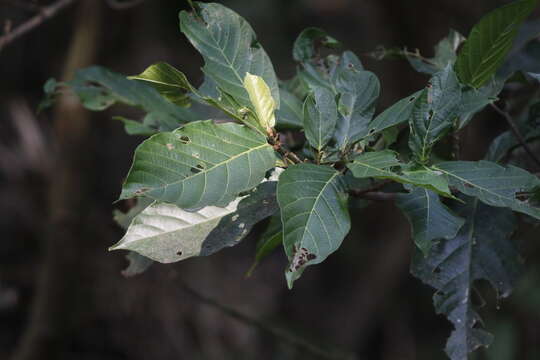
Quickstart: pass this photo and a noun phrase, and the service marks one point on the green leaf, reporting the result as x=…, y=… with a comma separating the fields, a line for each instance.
x=99, y=88
x=262, y=101
x=290, y=115
x=482, y=250
x=473, y=100
x=430, y=219
x=396, y=114
x=137, y=264
x=490, y=41
x=133, y=127
x=320, y=117
x=358, y=91
x=492, y=184
x=165, y=233
x=314, y=215
x=228, y=54
x=168, y=81
x=445, y=53
x=305, y=49
x=201, y=164
x=434, y=113
x=269, y=241
x=385, y=165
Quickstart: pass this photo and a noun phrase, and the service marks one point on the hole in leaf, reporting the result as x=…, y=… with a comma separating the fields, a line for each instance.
x=179, y=253
x=197, y=169
x=185, y=139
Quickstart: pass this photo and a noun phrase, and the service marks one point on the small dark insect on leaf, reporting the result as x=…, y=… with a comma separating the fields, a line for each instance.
x=179, y=253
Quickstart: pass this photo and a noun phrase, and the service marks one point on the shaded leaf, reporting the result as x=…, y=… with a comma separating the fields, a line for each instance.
x=99, y=88
x=473, y=100
x=165, y=233
x=434, y=113
x=314, y=215
x=269, y=241
x=396, y=114
x=481, y=250
x=490, y=41
x=430, y=219
x=305, y=45
x=290, y=114
x=198, y=165
x=320, y=117
x=358, y=91
x=445, y=53
x=492, y=184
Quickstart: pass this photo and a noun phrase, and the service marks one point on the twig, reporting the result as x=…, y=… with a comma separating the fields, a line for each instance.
x=281, y=334
x=516, y=132
x=123, y=5
x=46, y=13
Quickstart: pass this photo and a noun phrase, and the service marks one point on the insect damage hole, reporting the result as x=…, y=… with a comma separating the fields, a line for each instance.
x=198, y=168
x=185, y=139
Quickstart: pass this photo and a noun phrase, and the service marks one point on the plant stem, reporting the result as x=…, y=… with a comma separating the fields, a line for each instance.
x=516, y=132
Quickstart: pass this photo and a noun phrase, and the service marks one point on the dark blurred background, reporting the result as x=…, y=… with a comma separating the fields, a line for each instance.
x=62, y=295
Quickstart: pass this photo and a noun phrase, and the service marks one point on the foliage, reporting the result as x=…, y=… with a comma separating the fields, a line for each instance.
x=204, y=183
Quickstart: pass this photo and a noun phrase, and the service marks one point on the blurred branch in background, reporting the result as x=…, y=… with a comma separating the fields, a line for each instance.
x=44, y=14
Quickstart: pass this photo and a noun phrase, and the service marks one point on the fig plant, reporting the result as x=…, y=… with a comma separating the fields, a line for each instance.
x=244, y=146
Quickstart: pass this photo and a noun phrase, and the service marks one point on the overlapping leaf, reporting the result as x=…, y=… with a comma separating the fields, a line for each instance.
x=269, y=241
x=168, y=81
x=262, y=101
x=385, y=165
x=482, y=250
x=290, y=114
x=490, y=41
x=430, y=219
x=358, y=91
x=200, y=164
x=99, y=88
x=445, y=53
x=320, y=117
x=229, y=48
x=434, y=113
x=396, y=114
x=166, y=233
x=492, y=184
x=314, y=215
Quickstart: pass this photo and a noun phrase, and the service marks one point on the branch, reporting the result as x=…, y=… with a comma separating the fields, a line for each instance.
x=123, y=5
x=46, y=13
x=279, y=333
x=516, y=132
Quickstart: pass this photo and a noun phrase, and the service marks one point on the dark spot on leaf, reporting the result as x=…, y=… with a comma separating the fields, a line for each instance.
x=412, y=99
x=350, y=65
x=179, y=253
x=141, y=191
x=311, y=257
x=185, y=139
x=197, y=169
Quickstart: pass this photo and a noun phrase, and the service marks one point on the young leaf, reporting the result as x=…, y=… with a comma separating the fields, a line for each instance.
x=434, y=113
x=262, y=100
x=201, y=164
x=473, y=100
x=165, y=233
x=314, y=215
x=491, y=183
x=396, y=114
x=490, y=41
x=481, y=250
x=430, y=219
x=380, y=165
x=358, y=91
x=320, y=117
x=229, y=54
x=167, y=81
x=99, y=88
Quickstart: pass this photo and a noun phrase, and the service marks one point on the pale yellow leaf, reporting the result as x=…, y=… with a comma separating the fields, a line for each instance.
x=262, y=100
